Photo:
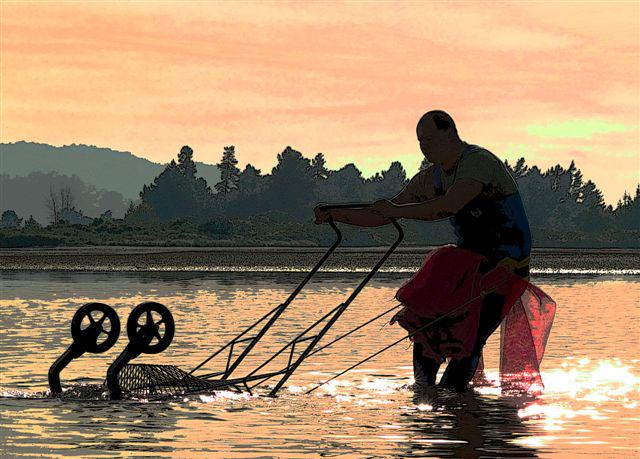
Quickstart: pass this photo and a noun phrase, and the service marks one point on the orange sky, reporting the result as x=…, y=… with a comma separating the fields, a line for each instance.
x=547, y=81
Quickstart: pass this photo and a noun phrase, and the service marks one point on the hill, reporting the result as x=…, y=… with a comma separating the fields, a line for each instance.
x=102, y=168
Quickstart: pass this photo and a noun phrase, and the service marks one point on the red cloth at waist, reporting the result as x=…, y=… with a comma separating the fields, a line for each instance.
x=449, y=285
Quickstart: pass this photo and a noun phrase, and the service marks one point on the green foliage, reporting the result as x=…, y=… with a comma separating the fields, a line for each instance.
x=318, y=167
x=217, y=227
x=178, y=209
x=10, y=219
x=31, y=224
x=23, y=240
x=141, y=214
x=628, y=211
x=563, y=210
x=228, y=171
x=344, y=185
x=177, y=192
x=291, y=186
x=390, y=183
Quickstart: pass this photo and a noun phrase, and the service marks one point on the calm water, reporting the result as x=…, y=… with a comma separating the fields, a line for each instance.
x=591, y=371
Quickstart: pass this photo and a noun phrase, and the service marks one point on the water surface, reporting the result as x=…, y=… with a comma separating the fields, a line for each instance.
x=589, y=407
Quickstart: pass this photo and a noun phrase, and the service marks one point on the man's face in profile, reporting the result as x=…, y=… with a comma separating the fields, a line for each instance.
x=434, y=143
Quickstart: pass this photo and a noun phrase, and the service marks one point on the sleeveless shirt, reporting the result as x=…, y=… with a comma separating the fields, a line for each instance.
x=494, y=223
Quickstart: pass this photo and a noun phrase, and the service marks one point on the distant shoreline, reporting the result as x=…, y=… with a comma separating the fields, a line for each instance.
x=106, y=249
x=277, y=259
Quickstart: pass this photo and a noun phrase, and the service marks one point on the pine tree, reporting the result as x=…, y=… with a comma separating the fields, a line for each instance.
x=521, y=169
x=229, y=172
x=249, y=198
x=291, y=187
x=249, y=180
x=577, y=184
x=186, y=163
x=176, y=192
x=318, y=167
x=393, y=180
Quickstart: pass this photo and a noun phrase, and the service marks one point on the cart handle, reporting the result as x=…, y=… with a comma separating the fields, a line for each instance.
x=348, y=205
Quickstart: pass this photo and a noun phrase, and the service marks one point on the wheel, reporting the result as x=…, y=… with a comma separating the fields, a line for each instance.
x=95, y=326
x=151, y=320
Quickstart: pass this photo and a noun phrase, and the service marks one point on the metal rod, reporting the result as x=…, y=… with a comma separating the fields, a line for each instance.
x=234, y=340
x=293, y=341
x=355, y=329
x=352, y=205
x=278, y=310
x=340, y=310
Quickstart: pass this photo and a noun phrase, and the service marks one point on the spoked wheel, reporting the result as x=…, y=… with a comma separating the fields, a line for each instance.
x=96, y=327
x=151, y=327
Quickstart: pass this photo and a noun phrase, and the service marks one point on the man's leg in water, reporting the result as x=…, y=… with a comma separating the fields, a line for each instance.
x=460, y=371
x=425, y=369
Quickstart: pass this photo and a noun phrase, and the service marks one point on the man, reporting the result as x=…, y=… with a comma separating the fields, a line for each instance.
x=472, y=187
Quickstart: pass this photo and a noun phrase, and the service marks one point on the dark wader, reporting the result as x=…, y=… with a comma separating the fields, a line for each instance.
x=497, y=228
x=459, y=372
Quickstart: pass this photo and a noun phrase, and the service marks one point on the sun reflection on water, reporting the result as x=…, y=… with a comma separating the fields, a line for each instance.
x=607, y=380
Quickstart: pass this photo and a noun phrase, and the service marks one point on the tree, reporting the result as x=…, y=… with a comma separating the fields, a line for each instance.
x=186, y=165
x=74, y=217
x=18, y=193
x=177, y=192
x=393, y=179
x=67, y=199
x=107, y=215
x=32, y=224
x=229, y=173
x=318, y=167
x=10, y=220
x=290, y=189
x=52, y=205
x=249, y=180
x=627, y=213
x=62, y=201
x=249, y=198
x=576, y=188
x=141, y=214
x=345, y=185
x=387, y=183
x=521, y=168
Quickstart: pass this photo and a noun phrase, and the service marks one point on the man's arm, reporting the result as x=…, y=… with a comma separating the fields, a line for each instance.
x=459, y=195
x=419, y=188
x=358, y=217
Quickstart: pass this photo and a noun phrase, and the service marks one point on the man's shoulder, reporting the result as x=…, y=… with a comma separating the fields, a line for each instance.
x=476, y=152
x=480, y=164
x=423, y=174
x=481, y=159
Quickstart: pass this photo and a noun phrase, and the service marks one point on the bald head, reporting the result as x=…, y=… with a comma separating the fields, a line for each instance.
x=437, y=120
x=438, y=137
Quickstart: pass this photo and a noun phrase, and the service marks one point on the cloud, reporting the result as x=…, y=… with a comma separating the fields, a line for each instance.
x=348, y=79
x=576, y=129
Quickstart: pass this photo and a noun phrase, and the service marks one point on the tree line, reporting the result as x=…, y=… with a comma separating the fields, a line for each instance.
x=251, y=207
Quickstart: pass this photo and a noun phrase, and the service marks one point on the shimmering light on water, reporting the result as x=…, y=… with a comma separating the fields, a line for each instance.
x=298, y=269
x=589, y=406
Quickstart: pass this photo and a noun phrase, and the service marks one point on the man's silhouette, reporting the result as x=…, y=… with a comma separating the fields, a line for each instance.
x=472, y=187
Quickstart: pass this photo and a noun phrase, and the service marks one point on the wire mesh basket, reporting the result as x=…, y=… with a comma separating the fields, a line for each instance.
x=146, y=380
